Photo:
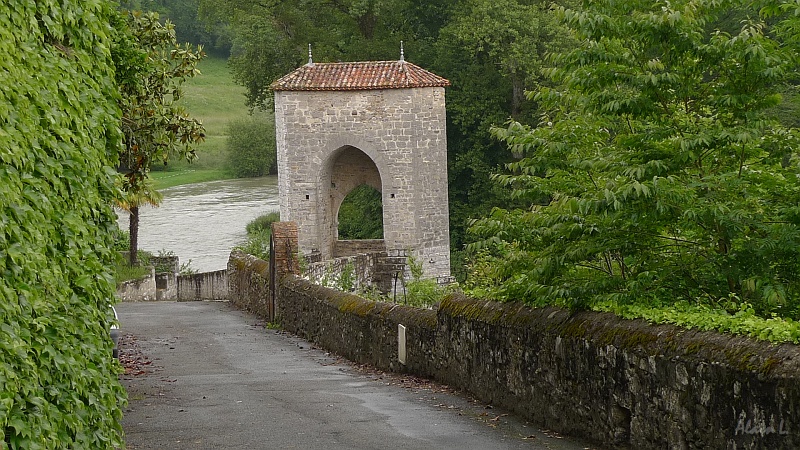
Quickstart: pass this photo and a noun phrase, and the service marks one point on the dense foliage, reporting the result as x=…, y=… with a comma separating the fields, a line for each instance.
x=361, y=214
x=251, y=147
x=655, y=174
x=59, y=135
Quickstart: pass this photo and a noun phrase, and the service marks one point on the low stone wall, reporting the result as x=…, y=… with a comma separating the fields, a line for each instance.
x=354, y=247
x=384, y=271
x=140, y=290
x=166, y=286
x=248, y=281
x=622, y=383
x=166, y=264
x=203, y=286
x=360, y=330
x=360, y=268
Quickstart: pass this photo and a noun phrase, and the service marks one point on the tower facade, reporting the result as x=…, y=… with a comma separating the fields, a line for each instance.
x=380, y=123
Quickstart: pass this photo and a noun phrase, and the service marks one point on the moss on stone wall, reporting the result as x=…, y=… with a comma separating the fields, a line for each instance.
x=636, y=335
x=626, y=376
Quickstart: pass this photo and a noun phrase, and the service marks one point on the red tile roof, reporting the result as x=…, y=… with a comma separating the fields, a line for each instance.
x=353, y=76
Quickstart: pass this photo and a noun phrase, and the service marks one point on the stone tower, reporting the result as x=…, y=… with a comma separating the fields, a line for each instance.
x=379, y=123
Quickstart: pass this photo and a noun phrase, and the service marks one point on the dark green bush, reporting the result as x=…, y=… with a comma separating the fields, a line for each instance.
x=259, y=231
x=263, y=223
x=251, y=147
x=361, y=214
x=59, y=140
x=122, y=240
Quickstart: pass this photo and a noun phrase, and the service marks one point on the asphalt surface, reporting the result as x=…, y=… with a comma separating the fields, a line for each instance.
x=202, y=375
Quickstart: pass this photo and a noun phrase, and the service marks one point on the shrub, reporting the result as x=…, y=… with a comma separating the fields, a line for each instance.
x=263, y=223
x=125, y=272
x=122, y=240
x=259, y=231
x=423, y=292
x=251, y=147
x=257, y=244
x=187, y=269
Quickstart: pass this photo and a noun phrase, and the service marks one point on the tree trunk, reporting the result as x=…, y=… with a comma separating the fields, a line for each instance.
x=133, y=229
x=366, y=25
x=517, y=95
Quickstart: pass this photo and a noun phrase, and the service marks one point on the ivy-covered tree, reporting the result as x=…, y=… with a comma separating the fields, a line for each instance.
x=59, y=142
x=151, y=68
x=655, y=173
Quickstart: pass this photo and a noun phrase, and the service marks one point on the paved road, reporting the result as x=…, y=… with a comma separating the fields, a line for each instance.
x=203, y=375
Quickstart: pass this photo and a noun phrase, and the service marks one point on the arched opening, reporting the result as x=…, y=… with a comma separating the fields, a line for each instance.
x=361, y=214
x=353, y=193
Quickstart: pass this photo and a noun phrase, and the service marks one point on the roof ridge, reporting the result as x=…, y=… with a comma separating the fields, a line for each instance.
x=358, y=75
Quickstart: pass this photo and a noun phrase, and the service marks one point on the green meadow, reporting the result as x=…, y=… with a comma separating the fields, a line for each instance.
x=214, y=99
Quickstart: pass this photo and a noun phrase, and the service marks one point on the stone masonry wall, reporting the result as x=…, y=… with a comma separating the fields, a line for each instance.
x=248, y=284
x=166, y=286
x=383, y=271
x=203, y=286
x=354, y=247
x=359, y=268
x=362, y=331
x=141, y=290
x=622, y=383
x=321, y=135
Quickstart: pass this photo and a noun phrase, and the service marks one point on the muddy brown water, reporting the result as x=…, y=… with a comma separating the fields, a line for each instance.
x=202, y=222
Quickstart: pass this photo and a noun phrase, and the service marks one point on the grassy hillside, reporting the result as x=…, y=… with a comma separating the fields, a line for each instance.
x=215, y=99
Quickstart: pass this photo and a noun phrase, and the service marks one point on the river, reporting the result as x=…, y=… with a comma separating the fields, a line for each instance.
x=202, y=222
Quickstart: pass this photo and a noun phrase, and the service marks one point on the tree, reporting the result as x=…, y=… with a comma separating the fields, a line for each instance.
x=151, y=67
x=271, y=38
x=655, y=173
x=492, y=52
x=130, y=202
x=251, y=146
x=513, y=35
x=213, y=35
